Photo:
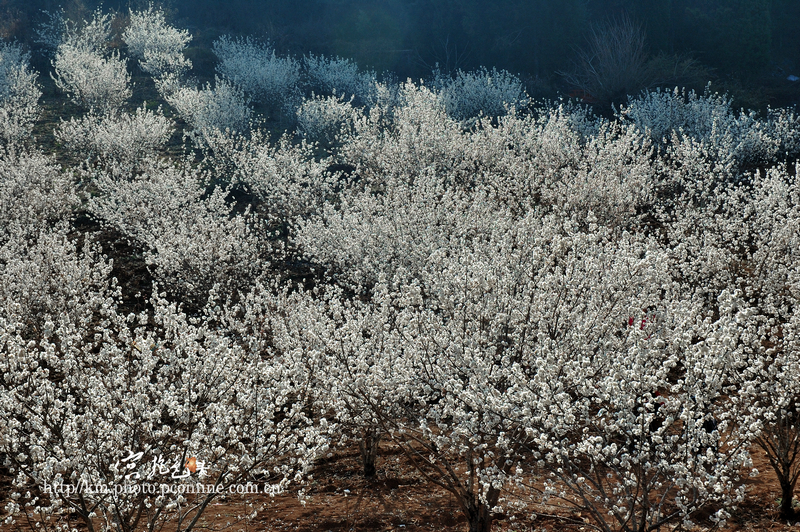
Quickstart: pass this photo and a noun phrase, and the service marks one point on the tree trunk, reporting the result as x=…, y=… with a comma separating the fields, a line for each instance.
x=787, y=496
x=479, y=514
x=480, y=518
x=368, y=445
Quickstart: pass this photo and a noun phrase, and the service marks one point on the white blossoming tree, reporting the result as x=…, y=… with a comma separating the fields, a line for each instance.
x=221, y=107
x=193, y=238
x=482, y=92
x=761, y=224
x=325, y=119
x=115, y=409
x=34, y=194
x=156, y=45
x=259, y=71
x=336, y=76
x=287, y=181
x=118, y=141
x=86, y=72
x=19, y=94
x=544, y=310
x=541, y=353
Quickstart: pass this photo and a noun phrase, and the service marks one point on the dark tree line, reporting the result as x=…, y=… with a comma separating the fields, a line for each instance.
x=746, y=39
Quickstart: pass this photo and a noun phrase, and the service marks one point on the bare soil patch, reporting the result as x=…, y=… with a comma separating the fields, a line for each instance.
x=338, y=498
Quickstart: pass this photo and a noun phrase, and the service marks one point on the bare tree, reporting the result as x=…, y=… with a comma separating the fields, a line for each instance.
x=613, y=64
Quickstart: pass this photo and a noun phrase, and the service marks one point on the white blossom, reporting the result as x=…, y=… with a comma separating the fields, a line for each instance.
x=481, y=92
x=120, y=140
x=223, y=107
x=258, y=70
x=337, y=76
x=323, y=119
x=192, y=237
x=155, y=44
x=19, y=94
x=710, y=119
x=34, y=194
x=539, y=307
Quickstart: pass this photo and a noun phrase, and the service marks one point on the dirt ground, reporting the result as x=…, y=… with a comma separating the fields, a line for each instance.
x=338, y=498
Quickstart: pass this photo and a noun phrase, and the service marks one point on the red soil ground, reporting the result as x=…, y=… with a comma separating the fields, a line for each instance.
x=338, y=498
